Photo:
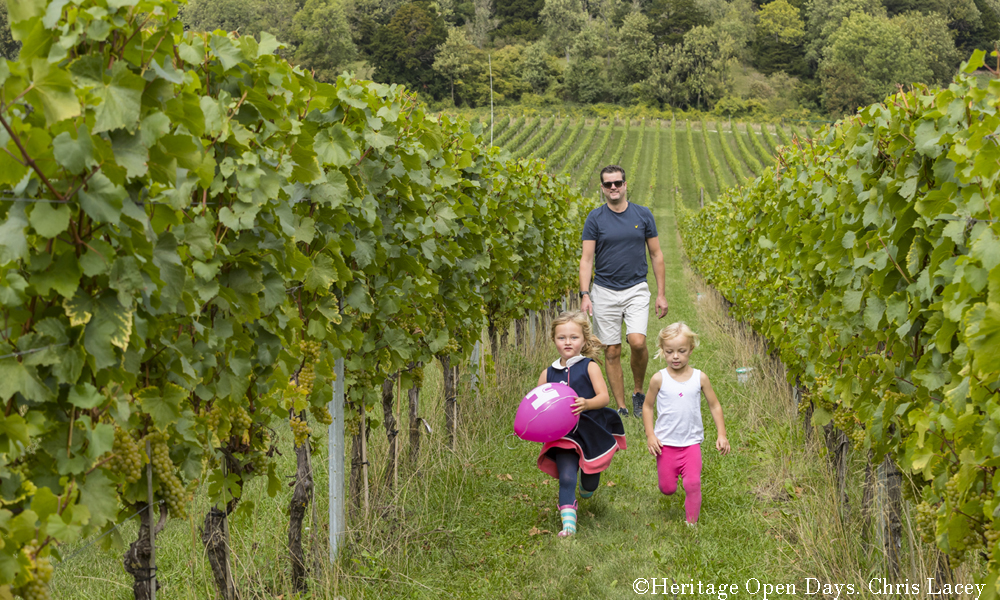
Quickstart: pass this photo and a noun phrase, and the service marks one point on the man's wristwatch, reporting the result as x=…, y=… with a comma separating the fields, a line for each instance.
x=582, y=294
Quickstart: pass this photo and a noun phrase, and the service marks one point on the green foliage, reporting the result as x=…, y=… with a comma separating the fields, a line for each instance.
x=872, y=264
x=636, y=49
x=670, y=20
x=782, y=21
x=192, y=234
x=403, y=51
x=868, y=55
x=323, y=38
x=519, y=19
x=563, y=20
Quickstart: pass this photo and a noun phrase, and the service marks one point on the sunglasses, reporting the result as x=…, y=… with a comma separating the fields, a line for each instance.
x=613, y=184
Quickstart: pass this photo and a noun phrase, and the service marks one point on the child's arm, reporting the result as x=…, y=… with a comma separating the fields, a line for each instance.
x=721, y=443
x=648, y=409
x=542, y=378
x=601, y=388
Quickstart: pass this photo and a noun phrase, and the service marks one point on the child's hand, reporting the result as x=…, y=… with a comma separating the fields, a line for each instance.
x=579, y=405
x=722, y=445
x=654, y=444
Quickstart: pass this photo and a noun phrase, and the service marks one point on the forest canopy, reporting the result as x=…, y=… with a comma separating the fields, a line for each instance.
x=735, y=57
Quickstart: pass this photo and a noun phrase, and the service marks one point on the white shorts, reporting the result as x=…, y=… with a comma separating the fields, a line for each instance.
x=611, y=307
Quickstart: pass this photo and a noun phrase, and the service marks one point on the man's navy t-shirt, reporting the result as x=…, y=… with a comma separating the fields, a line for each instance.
x=620, y=249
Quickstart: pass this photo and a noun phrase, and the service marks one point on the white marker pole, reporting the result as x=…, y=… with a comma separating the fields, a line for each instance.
x=335, y=461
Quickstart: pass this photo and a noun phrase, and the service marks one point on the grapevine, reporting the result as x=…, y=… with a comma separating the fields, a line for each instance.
x=699, y=184
x=555, y=160
x=847, y=260
x=748, y=158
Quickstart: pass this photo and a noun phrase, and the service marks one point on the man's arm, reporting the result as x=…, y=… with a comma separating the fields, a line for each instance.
x=659, y=271
x=586, y=271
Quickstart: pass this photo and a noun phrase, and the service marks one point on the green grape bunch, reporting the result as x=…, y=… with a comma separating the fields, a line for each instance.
x=241, y=423
x=40, y=572
x=171, y=488
x=300, y=429
x=126, y=457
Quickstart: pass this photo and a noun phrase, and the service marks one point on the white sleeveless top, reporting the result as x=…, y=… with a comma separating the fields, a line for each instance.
x=678, y=410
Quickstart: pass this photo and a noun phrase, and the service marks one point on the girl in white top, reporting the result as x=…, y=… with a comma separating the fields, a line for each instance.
x=675, y=439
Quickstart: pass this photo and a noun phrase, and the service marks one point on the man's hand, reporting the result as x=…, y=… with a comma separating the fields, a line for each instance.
x=587, y=306
x=661, y=306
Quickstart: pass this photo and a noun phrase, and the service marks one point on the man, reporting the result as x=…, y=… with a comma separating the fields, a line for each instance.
x=617, y=235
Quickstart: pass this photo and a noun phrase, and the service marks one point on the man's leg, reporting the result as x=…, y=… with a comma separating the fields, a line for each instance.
x=616, y=378
x=636, y=321
x=639, y=360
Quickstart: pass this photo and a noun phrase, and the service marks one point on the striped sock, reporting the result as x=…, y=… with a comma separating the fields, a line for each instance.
x=568, y=514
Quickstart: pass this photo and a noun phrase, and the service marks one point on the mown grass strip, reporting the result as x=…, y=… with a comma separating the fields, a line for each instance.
x=675, y=185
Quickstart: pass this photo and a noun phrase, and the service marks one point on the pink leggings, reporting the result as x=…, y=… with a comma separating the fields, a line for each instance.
x=686, y=462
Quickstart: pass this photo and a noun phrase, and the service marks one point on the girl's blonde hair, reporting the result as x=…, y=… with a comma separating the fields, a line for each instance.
x=591, y=345
x=674, y=330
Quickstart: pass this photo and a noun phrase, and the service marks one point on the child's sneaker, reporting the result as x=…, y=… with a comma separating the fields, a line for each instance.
x=623, y=412
x=637, y=402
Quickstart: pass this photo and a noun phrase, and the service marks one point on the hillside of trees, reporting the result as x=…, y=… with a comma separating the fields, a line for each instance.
x=734, y=57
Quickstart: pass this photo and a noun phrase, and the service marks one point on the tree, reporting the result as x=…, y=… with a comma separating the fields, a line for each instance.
x=781, y=20
x=227, y=15
x=454, y=58
x=404, y=50
x=519, y=19
x=671, y=19
x=535, y=69
x=824, y=18
x=869, y=55
x=635, y=49
x=587, y=77
x=324, y=38
x=483, y=22
x=563, y=19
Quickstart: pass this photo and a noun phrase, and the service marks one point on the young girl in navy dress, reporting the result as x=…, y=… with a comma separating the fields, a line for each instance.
x=599, y=433
x=675, y=439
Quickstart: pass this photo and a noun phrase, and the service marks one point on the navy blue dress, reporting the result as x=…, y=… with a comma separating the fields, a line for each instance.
x=597, y=436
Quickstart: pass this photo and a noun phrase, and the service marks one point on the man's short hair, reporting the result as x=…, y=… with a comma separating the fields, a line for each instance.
x=612, y=169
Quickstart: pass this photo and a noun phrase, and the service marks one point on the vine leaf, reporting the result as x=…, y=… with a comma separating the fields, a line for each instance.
x=52, y=89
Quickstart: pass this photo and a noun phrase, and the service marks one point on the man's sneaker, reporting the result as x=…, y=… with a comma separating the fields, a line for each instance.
x=623, y=411
x=637, y=402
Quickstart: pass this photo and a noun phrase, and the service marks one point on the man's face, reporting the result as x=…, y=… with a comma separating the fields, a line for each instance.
x=613, y=186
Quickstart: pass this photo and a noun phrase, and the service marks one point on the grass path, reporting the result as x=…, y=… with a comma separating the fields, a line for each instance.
x=481, y=522
x=499, y=510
